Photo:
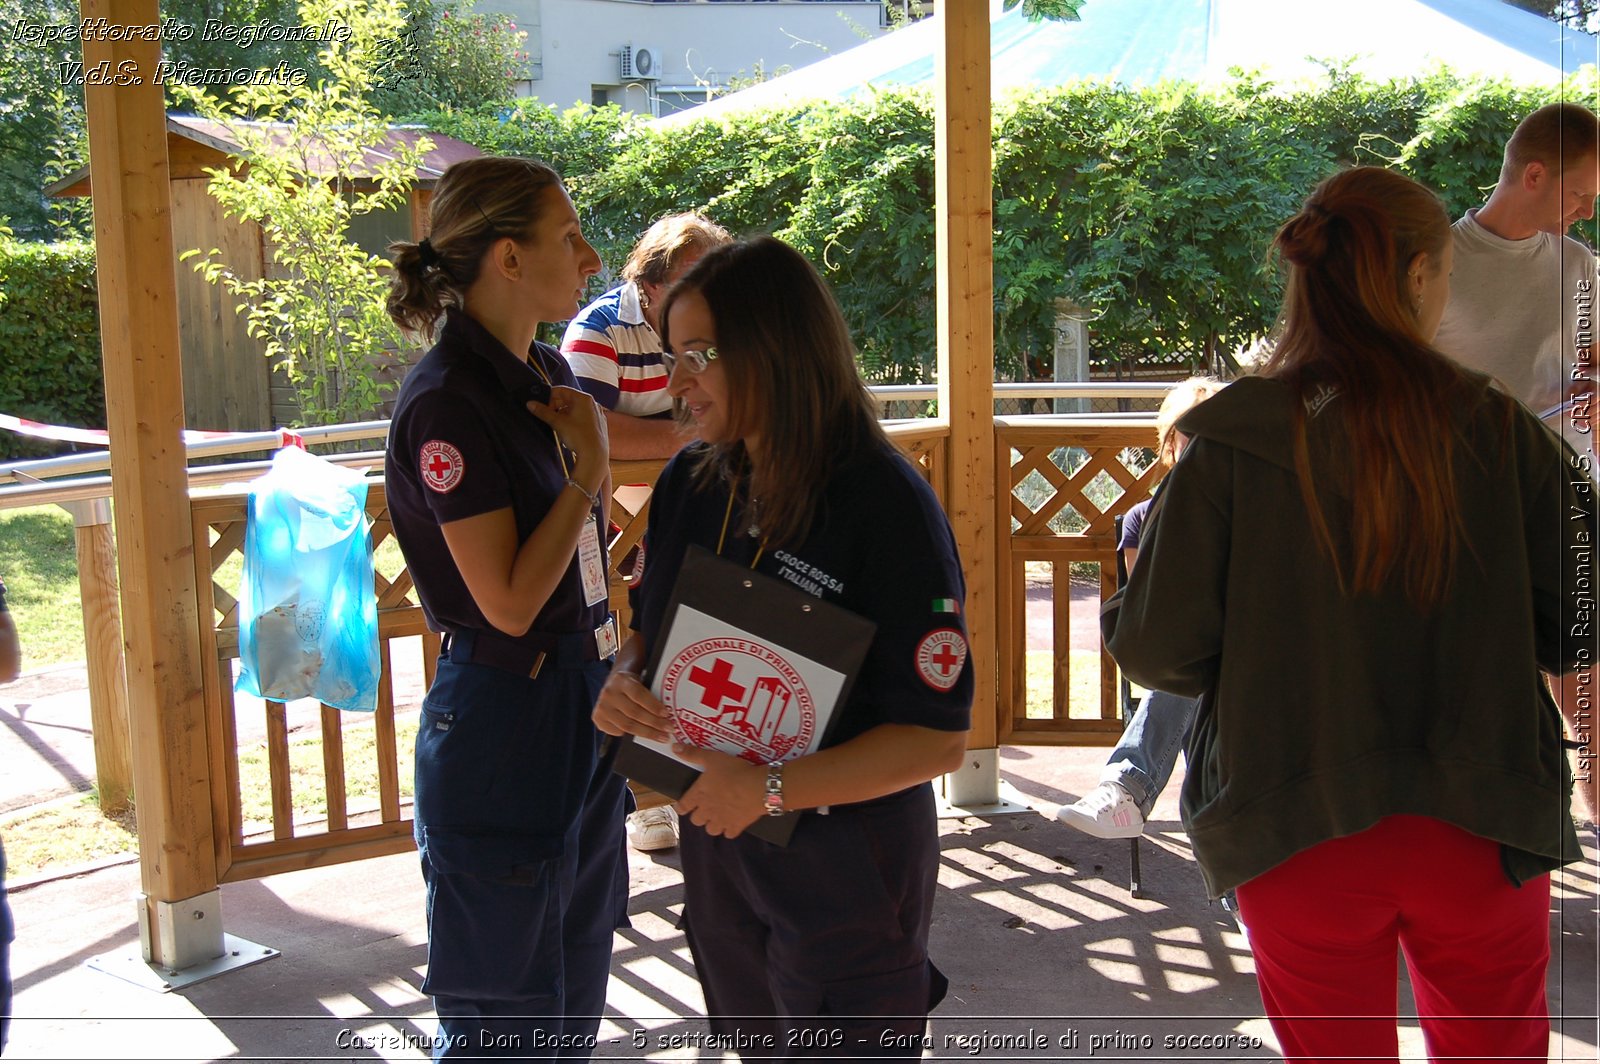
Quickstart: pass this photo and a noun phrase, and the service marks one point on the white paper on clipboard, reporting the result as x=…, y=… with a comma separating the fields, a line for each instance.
x=733, y=691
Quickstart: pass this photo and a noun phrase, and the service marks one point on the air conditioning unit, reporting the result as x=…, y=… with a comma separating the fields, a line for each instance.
x=641, y=64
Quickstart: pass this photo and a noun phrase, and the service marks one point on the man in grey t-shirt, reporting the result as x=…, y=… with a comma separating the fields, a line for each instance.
x=1522, y=310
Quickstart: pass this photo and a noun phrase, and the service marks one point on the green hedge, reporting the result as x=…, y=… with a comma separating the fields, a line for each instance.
x=1154, y=207
x=49, y=340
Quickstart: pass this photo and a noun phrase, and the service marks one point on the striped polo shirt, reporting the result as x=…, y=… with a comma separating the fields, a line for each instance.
x=616, y=355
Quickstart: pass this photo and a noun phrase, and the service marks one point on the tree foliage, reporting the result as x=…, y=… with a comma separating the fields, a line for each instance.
x=448, y=55
x=578, y=142
x=1056, y=10
x=41, y=121
x=321, y=310
x=1575, y=14
x=1154, y=208
x=49, y=338
x=444, y=55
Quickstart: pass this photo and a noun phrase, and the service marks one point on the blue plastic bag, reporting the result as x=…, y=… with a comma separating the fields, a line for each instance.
x=308, y=615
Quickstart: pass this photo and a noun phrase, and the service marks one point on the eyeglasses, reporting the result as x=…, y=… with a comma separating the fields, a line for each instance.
x=693, y=361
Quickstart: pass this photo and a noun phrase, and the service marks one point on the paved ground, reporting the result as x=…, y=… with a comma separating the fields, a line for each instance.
x=1048, y=955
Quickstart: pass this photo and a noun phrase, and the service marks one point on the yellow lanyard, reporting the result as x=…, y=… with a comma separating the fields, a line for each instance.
x=723, y=535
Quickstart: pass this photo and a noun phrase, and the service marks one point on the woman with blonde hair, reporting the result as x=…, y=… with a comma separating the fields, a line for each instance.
x=497, y=477
x=1360, y=567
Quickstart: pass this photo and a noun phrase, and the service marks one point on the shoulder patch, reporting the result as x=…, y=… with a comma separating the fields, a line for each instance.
x=441, y=466
x=940, y=656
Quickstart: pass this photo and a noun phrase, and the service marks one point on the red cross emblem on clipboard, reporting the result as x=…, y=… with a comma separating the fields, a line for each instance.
x=739, y=696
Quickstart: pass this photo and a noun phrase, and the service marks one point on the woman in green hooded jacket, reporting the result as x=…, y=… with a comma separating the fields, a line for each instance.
x=1360, y=565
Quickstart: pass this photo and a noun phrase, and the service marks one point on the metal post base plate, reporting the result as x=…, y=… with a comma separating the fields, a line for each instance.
x=1010, y=801
x=975, y=789
x=129, y=964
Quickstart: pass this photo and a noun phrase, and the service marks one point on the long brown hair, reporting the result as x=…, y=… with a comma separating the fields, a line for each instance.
x=477, y=202
x=792, y=377
x=1351, y=348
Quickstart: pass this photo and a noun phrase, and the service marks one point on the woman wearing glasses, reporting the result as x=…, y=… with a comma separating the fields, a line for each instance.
x=497, y=501
x=794, y=478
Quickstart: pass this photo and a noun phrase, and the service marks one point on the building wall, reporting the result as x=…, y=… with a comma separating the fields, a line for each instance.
x=575, y=45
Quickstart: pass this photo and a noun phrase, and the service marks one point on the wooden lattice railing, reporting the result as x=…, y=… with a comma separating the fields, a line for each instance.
x=345, y=828
x=1063, y=482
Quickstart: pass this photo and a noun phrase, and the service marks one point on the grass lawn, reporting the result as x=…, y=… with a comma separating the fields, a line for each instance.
x=63, y=833
x=39, y=564
x=38, y=561
x=1084, y=689
x=306, y=783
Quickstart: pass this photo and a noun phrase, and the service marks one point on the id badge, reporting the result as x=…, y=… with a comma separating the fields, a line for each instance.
x=605, y=639
x=592, y=563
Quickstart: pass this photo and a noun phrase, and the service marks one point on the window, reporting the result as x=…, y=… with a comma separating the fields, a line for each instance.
x=675, y=98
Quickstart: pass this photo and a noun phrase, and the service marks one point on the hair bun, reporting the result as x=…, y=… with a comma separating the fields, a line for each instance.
x=1304, y=238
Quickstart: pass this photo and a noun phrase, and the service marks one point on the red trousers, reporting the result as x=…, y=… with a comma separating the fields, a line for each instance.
x=1324, y=925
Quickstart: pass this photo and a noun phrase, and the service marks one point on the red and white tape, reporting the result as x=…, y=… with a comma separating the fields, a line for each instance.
x=101, y=438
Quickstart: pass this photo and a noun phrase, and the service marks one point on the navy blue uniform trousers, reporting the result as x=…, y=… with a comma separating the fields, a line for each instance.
x=819, y=948
x=519, y=825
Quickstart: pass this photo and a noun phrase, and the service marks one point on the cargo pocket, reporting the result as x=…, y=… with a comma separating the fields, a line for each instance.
x=882, y=1015
x=495, y=910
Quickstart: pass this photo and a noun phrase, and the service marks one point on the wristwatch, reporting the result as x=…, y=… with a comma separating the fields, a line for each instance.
x=774, y=799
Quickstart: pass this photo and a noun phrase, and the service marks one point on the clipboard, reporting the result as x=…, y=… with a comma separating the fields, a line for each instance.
x=749, y=665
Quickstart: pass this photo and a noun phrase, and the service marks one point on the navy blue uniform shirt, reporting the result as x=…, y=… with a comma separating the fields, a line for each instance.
x=1133, y=525
x=463, y=443
x=879, y=546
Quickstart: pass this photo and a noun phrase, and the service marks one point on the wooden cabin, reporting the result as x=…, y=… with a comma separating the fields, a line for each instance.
x=227, y=381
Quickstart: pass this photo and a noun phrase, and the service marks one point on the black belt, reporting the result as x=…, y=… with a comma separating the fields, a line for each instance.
x=524, y=656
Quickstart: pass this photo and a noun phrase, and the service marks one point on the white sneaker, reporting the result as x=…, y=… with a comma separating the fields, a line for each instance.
x=1107, y=812
x=653, y=829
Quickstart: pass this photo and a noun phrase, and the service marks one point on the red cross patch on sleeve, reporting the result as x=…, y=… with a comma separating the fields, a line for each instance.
x=441, y=466
x=940, y=656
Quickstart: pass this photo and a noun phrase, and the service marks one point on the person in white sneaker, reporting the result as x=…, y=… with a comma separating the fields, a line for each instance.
x=654, y=829
x=1143, y=759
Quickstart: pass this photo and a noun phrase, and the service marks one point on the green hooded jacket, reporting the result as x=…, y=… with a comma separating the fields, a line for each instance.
x=1324, y=712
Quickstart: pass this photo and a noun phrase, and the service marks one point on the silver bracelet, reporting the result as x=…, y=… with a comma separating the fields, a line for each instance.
x=593, y=497
x=772, y=804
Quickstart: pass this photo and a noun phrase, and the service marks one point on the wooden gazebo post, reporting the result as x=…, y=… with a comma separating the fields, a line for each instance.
x=180, y=921
x=965, y=266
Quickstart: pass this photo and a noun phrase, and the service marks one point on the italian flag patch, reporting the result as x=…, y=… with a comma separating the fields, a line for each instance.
x=946, y=605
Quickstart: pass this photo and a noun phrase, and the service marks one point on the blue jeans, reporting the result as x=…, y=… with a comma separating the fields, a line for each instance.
x=1148, y=750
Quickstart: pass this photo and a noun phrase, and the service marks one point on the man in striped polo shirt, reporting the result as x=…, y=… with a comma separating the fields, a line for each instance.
x=613, y=346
